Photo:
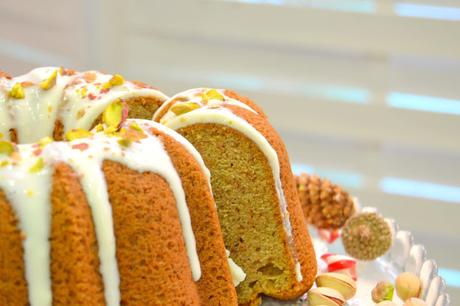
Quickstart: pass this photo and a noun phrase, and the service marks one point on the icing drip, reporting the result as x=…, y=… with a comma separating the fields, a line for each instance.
x=225, y=117
x=35, y=114
x=238, y=274
x=76, y=99
x=28, y=194
x=26, y=190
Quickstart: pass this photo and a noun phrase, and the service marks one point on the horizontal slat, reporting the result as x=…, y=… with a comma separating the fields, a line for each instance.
x=297, y=28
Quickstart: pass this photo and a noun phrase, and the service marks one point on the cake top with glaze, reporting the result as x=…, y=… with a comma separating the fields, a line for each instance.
x=31, y=104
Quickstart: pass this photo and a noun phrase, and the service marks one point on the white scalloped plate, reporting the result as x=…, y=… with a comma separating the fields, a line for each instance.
x=404, y=255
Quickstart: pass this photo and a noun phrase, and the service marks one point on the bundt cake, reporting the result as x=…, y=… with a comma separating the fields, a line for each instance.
x=253, y=187
x=93, y=221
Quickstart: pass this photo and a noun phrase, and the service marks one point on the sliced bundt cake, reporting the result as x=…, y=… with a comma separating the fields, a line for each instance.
x=253, y=186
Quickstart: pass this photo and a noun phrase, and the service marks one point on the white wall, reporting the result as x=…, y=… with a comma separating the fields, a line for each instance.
x=364, y=92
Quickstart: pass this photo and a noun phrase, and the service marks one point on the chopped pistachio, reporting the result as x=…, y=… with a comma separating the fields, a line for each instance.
x=110, y=131
x=50, y=81
x=116, y=80
x=77, y=134
x=135, y=126
x=183, y=108
x=4, y=163
x=213, y=94
x=82, y=91
x=6, y=147
x=113, y=114
x=99, y=128
x=38, y=166
x=17, y=91
x=80, y=113
x=44, y=141
x=125, y=142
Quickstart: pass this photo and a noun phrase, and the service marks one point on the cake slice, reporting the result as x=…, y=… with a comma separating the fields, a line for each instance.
x=253, y=187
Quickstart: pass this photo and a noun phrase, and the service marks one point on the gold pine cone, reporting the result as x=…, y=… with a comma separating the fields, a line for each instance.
x=325, y=205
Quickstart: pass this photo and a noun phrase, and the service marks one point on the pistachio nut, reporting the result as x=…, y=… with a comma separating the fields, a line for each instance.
x=408, y=285
x=383, y=291
x=185, y=107
x=340, y=282
x=325, y=297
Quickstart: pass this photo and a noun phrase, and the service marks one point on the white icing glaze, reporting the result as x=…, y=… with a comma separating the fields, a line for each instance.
x=29, y=195
x=238, y=274
x=225, y=117
x=34, y=115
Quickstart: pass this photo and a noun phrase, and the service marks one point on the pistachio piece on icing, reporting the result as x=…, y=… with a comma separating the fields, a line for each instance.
x=17, y=91
x=125, y=142
x=135, y=126
x=340, y=282
x=213, y=94
x=6, y=147
x=50, y=81
x=116, y=80
x=184, y=107
x=325, y=297
x=99, y=127
x=77, y=134
x=38, y=166
x=110, y=131
x=115, y=114
x=44, y=141
x=82, y=91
